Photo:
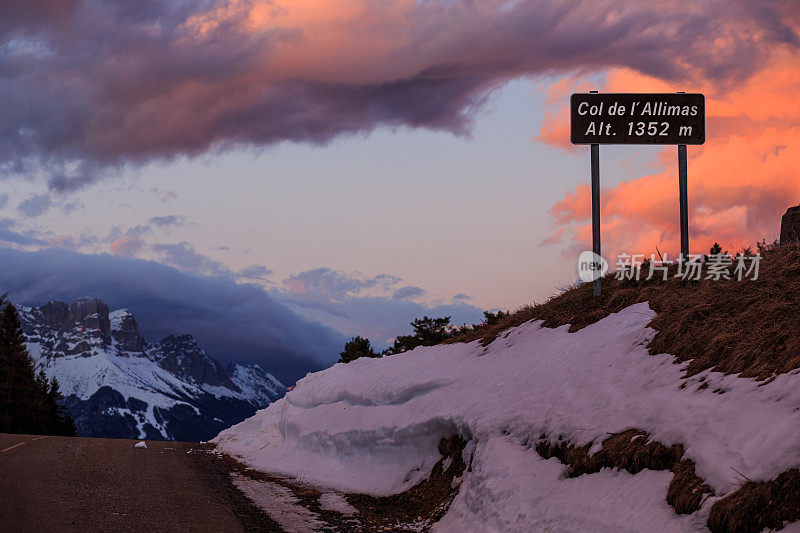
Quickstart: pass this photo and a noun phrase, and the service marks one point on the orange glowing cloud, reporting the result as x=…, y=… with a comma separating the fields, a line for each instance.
x=127, y=246
x=740, y=182
x=94, y=86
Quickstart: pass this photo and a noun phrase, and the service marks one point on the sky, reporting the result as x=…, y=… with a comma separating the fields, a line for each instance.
x=358, y=163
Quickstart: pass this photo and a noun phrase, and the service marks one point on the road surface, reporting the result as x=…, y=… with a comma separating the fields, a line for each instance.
x=84, y=484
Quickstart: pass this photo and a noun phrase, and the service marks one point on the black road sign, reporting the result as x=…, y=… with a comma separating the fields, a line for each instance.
x=637, y=118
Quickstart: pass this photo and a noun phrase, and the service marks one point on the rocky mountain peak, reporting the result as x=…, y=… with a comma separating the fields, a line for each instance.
x=180, y=342
x=181, y=355
x=90, y=313
x=131, y=388
x=55, y=314
x=81, y=328
x=125, y=331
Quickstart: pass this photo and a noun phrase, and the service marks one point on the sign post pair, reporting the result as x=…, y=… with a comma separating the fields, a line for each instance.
x=637, y=118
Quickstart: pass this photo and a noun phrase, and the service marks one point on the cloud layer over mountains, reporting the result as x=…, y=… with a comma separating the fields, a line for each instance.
x=232, y=321
x=88, y=86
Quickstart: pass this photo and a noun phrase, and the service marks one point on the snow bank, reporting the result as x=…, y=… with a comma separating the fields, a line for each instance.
x=372, y=425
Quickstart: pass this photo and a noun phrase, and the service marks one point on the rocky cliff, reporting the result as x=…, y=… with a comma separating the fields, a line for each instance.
x=116, y=384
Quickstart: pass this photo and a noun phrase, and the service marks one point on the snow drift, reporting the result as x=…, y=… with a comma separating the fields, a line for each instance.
x=372, y=426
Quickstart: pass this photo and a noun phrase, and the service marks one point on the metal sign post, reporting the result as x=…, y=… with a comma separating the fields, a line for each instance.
x=637, y=118
x=595, y=168
x=684, y=201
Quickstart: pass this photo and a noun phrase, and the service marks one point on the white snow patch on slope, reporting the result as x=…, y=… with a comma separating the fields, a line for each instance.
x=373, y=425
x=511, y=489
x=256, y=383
x=137, y=377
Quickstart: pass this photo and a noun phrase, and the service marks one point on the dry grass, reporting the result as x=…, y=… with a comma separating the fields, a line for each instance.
x=748, y=327
x=745, y=327
x=633, y=451
x=687, y=489
x=758, y=506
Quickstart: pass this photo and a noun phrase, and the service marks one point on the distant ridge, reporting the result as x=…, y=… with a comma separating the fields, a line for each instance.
x=116, y=384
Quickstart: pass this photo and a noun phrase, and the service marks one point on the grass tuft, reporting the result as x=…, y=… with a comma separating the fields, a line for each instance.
x=633, y=451
x=758, y=506
x=746, y=327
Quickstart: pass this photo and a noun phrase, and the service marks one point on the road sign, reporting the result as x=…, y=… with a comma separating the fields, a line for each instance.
x=637, y=118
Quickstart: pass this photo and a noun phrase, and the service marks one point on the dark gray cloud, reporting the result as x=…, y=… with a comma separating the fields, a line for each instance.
x=233, y=321
x=183, y=256
x=462, y=296
x=257, y=272
x=327, y=284
x=164, y=196
x=168, y=221
x=9, y=234
x=88, y=87
x=69, y=207
x=35, y=205
x=408, y=293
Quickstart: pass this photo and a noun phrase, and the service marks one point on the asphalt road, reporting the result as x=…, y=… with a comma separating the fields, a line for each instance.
x=84, y=484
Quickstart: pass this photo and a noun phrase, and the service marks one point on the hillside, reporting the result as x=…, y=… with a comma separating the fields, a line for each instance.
x=116, y=384
x=650, y=412
x=749, y=326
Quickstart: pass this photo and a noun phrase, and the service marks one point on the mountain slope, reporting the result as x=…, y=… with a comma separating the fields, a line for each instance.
x=117, y=384
x=599, y=427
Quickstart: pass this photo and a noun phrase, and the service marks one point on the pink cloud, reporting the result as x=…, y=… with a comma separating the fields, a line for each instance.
x=94, y=86
x=127, y=246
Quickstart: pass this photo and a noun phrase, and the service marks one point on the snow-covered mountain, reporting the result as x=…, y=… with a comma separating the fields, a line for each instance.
x=117, y=384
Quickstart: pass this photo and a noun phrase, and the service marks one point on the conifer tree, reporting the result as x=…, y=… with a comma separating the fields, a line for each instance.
x=427, y=332
x=355, y=348
x=29, y=403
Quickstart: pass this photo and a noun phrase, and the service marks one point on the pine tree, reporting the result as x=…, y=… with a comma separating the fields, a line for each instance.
x=59, y=420
x=490, y=318
x=29, y=403
x=355, y=348
x=427, y=332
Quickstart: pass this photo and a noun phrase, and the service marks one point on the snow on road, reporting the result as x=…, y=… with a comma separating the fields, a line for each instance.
x=372, y=426
x=280, y=504
x=331, y=501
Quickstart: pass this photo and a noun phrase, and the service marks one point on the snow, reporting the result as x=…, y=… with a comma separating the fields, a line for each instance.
x=279, y=503
x=140, y=444
x=256, y=383
x=331, y=501
x=512, y=489
x=138, y=377
x=372, y=426
x=101, y=361
x=116, y=318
